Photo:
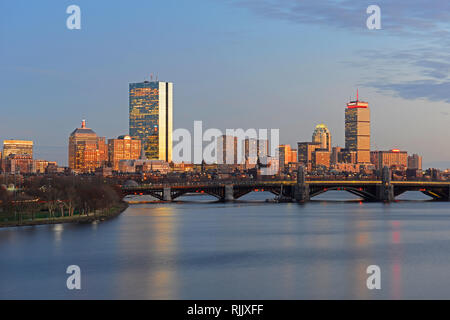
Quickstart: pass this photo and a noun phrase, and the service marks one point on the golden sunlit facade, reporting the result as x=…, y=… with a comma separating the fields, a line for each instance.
x=323, y=136
x=123, y=148
x=87, y=151
x=19, y=163
x=357, y=130
x=286, y=155
x=40, y=166
x=151, y=117
x=22, y=147
x=394, y=159
x=321, y=158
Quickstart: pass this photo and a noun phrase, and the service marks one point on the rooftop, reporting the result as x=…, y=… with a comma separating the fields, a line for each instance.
x=83, y=129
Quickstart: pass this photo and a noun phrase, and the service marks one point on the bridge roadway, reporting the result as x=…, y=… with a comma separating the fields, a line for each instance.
x=301, y=190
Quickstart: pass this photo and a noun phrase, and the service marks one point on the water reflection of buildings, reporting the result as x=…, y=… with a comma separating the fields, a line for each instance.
x=164, y=239
x=323, y=271
x=289, y=242
x=57, y=234
x=396, y=268
x=157, y=252
x=392, y=241
x=362, y=244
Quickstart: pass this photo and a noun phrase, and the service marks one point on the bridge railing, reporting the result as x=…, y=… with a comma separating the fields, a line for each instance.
x=256, y=183
x=235, y=183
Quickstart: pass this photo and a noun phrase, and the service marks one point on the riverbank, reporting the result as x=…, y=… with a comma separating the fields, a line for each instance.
x=100, y=216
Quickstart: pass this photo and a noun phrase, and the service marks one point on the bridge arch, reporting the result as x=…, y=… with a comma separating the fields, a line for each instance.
x=430, y=192
x=413, y=195
x=241, y=191
x=177, y=194
x=360, y=192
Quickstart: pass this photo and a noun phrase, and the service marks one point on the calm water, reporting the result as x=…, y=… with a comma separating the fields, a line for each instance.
x=244, y=250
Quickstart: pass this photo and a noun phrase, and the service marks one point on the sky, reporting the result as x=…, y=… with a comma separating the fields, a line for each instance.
x=287, y=64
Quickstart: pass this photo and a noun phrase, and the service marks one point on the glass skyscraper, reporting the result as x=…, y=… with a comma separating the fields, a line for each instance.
x=151, y=117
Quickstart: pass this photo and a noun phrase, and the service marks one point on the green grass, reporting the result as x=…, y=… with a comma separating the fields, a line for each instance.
x=43, y=217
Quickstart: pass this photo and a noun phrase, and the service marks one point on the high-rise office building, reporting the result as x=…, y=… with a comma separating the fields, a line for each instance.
x=151, y=117
x=255, y=148
x=87, y=151
x=15, y=147
x=322, y=135
x=293, y=156
x=18, y=147
x=19, y=163
x=286, y=155
x=227, y=150
x=357, y=130
x=123, y=148
x=102, y=151
x=336, y=155
x=305, y=153
x=415, y=162
x=394, y=159
x=233, y=150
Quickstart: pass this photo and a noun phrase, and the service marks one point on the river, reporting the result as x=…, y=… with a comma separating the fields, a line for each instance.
x=196, y=249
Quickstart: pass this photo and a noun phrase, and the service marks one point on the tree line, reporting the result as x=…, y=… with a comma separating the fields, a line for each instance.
x=56, y=196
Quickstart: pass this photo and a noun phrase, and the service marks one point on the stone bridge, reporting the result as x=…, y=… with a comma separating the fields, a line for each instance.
x=301, y=190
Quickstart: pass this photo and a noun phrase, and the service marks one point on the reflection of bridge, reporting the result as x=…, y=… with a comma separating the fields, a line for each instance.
x=300, y=190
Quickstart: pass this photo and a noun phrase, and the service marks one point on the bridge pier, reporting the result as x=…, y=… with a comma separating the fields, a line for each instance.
x=228, y=193
x=301, y=193
x=167, y=196
x=385, y=192
x=301, y=189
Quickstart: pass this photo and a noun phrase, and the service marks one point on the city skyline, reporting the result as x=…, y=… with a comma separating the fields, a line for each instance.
x=64, y=161
x=71, y=63
x=151, y=108
x=145, y=99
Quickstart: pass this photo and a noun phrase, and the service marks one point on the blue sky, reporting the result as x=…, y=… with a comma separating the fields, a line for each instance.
x=235, y=63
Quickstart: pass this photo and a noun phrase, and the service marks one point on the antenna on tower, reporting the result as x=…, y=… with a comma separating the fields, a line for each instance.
x=151, y=76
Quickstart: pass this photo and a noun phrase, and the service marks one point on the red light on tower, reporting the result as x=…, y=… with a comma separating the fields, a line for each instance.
x=357, y=103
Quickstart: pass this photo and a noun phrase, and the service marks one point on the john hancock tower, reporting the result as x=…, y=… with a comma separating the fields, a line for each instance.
x=151, y=117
